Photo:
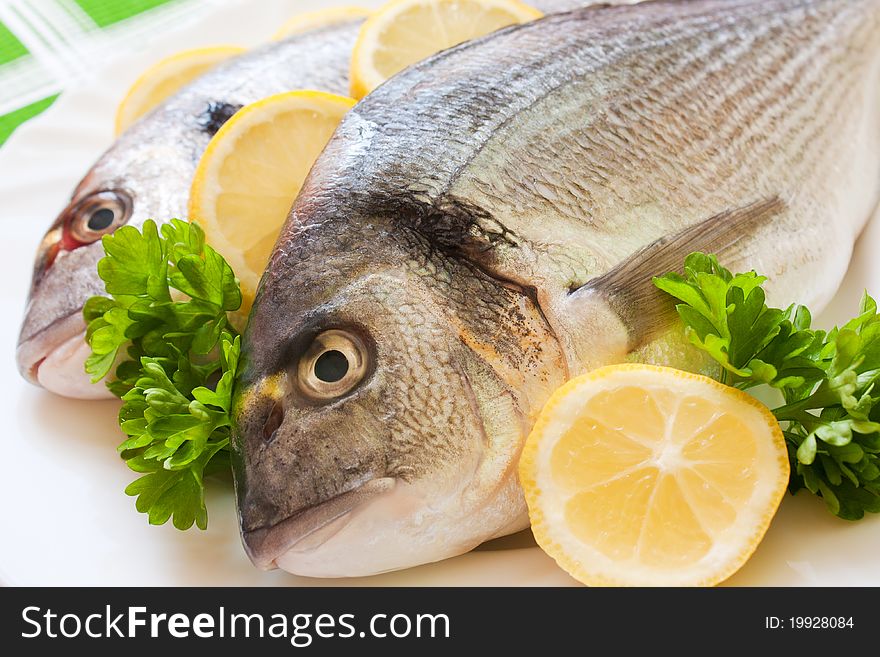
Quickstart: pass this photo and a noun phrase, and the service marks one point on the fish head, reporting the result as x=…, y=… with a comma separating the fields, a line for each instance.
x=385, y=393
x=135, y=180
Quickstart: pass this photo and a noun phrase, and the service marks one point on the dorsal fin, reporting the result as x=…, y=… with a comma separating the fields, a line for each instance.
x=628, y=287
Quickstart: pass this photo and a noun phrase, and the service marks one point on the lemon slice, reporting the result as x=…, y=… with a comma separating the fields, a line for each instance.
x=641, y=475
x=251, y=172
x=165, y=78
x=404, y=32
x=314, y=20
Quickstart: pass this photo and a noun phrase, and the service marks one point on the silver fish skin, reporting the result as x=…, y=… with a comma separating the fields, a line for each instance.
x=146, y=174
x=484, y=227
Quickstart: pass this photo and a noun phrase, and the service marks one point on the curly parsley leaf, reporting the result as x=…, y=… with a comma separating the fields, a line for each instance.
x=166, y=324
x=831, y=416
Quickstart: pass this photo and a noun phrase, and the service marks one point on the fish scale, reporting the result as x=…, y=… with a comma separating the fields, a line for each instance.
x=628, y=159
x=546, y=172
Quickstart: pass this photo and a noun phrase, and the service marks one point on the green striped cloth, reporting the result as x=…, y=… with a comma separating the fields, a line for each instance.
x=48, y=45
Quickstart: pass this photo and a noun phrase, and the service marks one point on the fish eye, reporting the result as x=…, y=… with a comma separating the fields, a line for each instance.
x=99, y=214
x=333, y=365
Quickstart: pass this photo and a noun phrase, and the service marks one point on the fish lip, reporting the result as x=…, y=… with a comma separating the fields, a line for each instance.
x=31, y=352
x=264, y=545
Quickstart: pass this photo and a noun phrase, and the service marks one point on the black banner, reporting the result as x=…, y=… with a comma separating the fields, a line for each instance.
x=433, y=621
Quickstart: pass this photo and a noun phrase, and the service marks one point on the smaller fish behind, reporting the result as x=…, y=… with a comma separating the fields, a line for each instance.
x=147, y=174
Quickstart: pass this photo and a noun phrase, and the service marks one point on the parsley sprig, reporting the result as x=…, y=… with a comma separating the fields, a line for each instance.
x=831, y=415
x=166, y=323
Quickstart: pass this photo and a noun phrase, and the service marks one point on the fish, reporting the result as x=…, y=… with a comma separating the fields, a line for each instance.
x=146, y=174
x=485, y=226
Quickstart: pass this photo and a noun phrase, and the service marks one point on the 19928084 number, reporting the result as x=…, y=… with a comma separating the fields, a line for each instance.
x=820, y=622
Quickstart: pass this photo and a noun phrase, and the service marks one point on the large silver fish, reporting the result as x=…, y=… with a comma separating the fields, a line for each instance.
x=485, y=225
x=147, y=174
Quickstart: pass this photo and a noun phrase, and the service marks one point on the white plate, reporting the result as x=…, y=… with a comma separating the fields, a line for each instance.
x=65, y=519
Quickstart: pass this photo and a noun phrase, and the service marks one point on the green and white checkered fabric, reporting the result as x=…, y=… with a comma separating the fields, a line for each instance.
x=49, y=45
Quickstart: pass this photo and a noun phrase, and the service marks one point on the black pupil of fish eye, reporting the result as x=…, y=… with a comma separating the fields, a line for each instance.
x=101, y=219
x=331, y=366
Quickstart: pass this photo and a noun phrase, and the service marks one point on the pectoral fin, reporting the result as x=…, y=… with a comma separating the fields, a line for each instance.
x=628, y=289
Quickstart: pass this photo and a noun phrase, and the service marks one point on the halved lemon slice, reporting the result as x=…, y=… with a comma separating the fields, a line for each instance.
x=404, y=32
x=641, y=475
x=314, y=20
x=167, y=77
x=253, y=170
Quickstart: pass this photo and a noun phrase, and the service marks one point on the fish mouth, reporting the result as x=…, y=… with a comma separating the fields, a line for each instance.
x=31, y=352
x=318, y=523
x=54, y=358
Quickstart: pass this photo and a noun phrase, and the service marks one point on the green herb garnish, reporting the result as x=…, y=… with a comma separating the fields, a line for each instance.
x=177, y=357
x=830, y=419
